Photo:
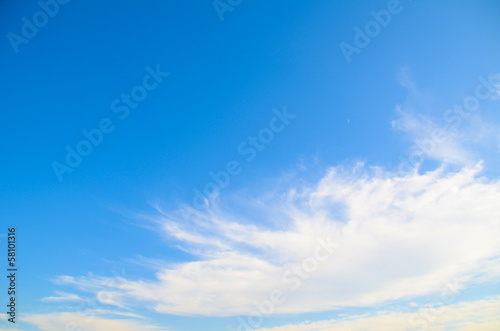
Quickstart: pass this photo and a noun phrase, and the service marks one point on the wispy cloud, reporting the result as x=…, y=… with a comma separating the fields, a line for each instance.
x=480, y=315
x=62, y=296
x=4, y=318
x=74, y=321
x=409, y=233
x=434, y=141
x=458, y=135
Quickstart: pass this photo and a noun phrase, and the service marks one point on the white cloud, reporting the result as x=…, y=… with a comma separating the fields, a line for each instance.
x=405, y=79
x=4, y=318
x=116, y=312
x=458, y=135
x=109, y=298
x=74, y=321
x=480, y=315
x=399, y=237
x=62, y=296
x=430, y=140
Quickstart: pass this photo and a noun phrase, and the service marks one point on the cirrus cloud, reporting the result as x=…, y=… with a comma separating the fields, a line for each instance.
x=398, y=237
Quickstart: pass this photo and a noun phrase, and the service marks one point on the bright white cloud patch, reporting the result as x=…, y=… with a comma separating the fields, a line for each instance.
x=458, y=135
x=480, y=315
x=73, y=321
x=3, y=318
x=62, y=296
x=431, y=140
x=397, y=237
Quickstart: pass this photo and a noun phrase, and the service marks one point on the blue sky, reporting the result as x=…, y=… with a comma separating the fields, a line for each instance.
x=115, y=241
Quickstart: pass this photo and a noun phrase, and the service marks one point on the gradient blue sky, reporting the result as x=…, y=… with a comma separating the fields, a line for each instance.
x=225, y=79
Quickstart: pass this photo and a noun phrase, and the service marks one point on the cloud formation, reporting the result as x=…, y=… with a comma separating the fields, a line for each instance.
x=397, y=237
x=62, y=296
x=480, y=315
x=356, y=237
x=74, y=321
